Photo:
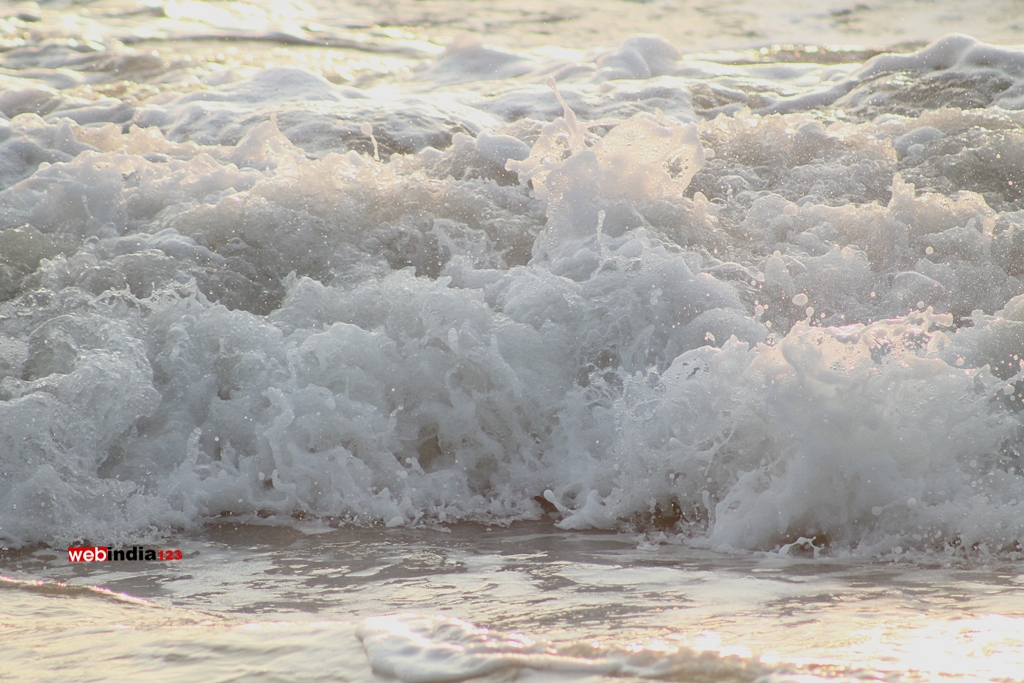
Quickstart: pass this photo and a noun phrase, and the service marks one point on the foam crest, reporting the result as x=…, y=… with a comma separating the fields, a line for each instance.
x=850, y=436
x=982, y=74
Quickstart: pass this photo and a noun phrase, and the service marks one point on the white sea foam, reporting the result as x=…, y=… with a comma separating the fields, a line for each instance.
x=418, y=649
x=641, y=299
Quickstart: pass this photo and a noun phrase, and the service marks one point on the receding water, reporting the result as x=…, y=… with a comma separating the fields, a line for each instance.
x=275, y=604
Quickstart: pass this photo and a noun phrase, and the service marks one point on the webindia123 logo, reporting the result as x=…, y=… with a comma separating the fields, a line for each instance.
x=133, y=554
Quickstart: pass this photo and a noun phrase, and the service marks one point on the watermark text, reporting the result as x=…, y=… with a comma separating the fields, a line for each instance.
x=133, y=554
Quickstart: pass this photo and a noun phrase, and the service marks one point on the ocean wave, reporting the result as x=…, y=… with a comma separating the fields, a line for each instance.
x=753, y=306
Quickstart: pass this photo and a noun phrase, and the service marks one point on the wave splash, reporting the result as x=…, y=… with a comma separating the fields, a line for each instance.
x=751, y=329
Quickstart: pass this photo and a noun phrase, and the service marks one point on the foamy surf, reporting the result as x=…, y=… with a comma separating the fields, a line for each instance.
x=752, y=306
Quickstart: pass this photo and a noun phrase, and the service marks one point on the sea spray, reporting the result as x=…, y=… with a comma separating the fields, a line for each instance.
x=664, y=295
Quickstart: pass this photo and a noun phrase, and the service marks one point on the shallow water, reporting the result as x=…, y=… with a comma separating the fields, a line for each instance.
x=692, y=357
x=274, y=604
